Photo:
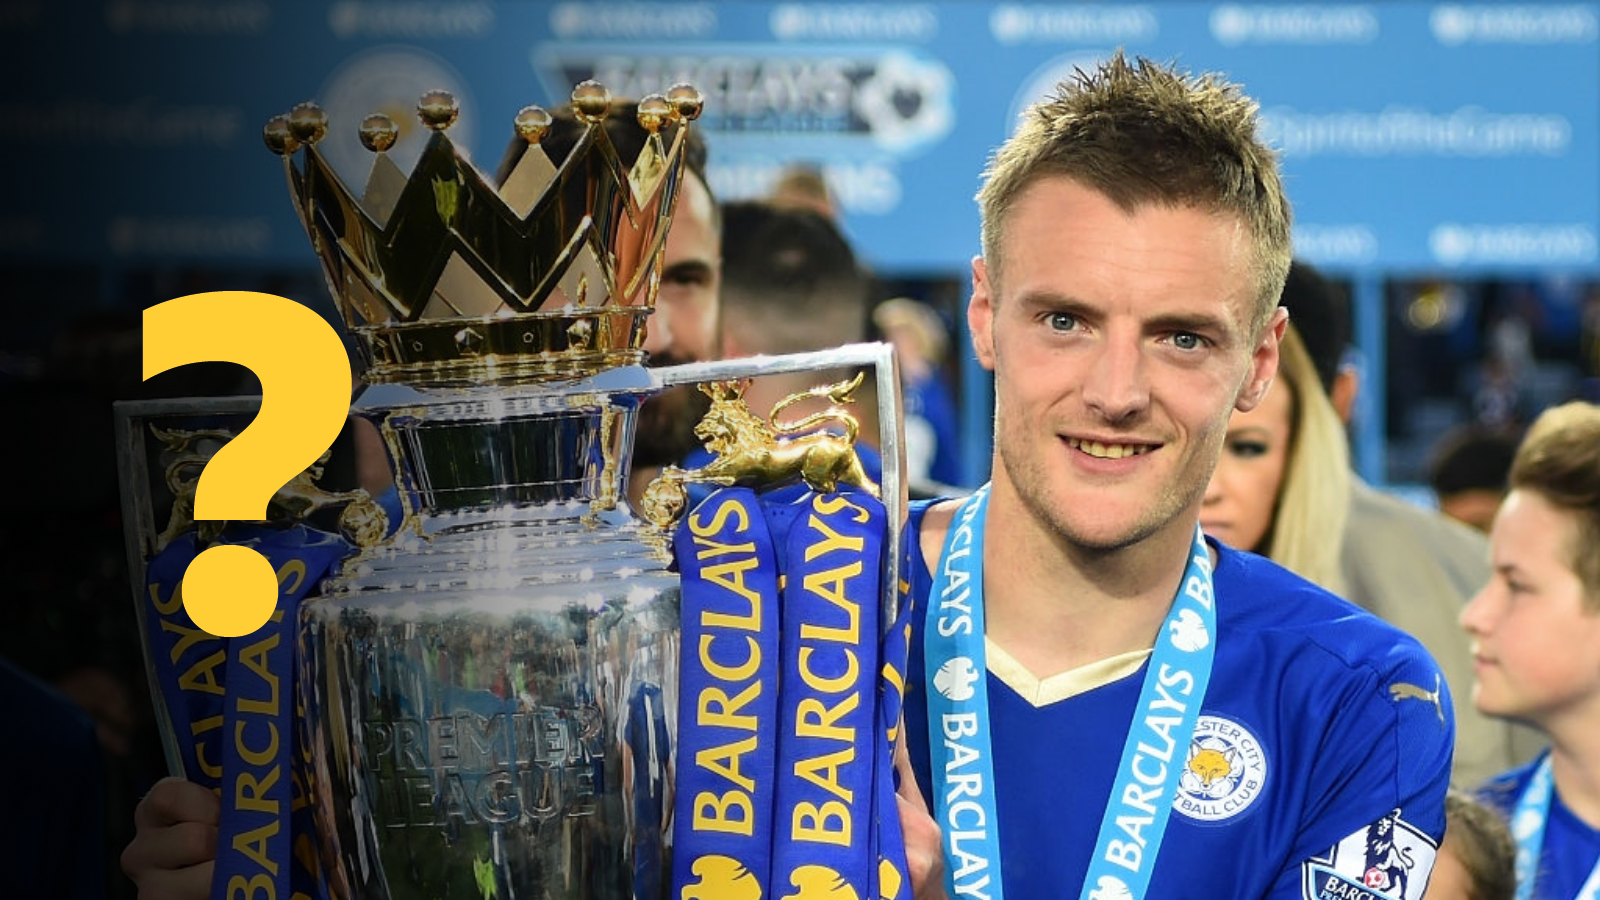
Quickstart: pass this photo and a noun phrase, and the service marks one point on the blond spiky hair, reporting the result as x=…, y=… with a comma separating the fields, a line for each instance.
x=1142, y=133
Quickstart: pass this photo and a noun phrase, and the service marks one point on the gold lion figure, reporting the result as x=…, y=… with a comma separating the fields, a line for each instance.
x=755, y=452
x=362, y=519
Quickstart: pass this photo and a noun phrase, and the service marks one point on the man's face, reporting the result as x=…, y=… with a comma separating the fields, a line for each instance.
x=1121, y=344
x=684, y=327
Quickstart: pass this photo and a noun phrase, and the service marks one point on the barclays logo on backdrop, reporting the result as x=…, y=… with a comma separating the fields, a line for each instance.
x=634, y=21
x=1455, y=244
x=198, y=19
x=1335, y=244
x=1232, y=25
x=392, y=19
x=841, y=97
x=853, y=22
x=1011, y=23
x=144, y=122
x=189, y=236
x=1525, y=24
x=869, y=187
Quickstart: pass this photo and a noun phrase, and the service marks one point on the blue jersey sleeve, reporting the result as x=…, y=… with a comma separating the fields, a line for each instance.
x=1378, y=774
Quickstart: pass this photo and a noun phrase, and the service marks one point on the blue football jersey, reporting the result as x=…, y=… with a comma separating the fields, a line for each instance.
x=1571, y=849
x=1318, y=767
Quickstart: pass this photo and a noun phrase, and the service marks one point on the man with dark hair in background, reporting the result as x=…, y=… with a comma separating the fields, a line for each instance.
x=1469, y=472
x=790, y=284
x=684, y=327
x=1411, y=566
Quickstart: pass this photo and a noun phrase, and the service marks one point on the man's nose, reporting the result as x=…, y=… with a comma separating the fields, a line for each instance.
x=1116, y=385
x=658, y=328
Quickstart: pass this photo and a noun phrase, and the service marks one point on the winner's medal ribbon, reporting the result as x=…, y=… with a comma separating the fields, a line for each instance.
x=1527, y=826
x=828, y=712
x=728, y=700
x=1174, y=688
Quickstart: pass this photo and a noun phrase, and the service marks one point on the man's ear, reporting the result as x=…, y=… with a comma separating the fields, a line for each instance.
x=1263, y=361
x=980, y=313
x=1343, y=392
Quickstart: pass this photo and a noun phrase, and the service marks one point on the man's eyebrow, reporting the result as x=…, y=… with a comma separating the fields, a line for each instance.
x=1161, y=322
x=1056, y=303
x=687, y=267
x=1197, y=322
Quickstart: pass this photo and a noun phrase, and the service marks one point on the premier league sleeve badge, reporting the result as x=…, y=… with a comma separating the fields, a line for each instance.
x=1387, y=860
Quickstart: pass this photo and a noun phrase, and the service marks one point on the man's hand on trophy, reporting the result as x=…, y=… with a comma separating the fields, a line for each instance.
x=174, y=847
x=924, y=843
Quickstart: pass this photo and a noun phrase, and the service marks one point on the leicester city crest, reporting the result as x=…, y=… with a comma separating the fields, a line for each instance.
x=1224, y=772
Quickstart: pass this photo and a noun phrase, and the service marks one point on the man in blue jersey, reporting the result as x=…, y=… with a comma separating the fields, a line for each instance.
x=1101, y=703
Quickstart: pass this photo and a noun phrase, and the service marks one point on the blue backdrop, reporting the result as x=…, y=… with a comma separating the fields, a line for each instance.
x=1414, y=135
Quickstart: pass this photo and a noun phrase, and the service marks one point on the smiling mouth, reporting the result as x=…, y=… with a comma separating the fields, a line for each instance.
x=1108, y=451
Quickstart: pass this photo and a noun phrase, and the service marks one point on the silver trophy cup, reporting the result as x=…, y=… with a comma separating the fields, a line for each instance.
x=487, y=688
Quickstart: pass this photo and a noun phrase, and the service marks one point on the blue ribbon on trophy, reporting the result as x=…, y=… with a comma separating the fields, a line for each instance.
x=232, y=706
x=728, y=702
x=786, y=792
x=893, y=882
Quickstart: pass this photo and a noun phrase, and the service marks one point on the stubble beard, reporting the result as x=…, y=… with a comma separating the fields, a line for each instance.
x=665, y=432
x=1030, y=481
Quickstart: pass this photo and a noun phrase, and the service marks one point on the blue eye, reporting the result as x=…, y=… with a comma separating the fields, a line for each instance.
x=1061, y=321
x=1185, y=340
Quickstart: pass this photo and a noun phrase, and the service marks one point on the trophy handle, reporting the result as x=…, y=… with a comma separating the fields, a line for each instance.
x=878, y=355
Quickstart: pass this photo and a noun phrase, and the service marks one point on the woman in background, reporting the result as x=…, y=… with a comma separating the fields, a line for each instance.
x=1282, y=485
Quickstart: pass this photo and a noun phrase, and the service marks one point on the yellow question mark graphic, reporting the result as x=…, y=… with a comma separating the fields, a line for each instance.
x=231, y=590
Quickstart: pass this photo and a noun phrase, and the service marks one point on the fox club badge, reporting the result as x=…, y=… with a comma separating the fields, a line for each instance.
x=1224, y=773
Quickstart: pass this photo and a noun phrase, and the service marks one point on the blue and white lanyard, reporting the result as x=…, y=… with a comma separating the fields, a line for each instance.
x=1527, y=826
x=958, y=718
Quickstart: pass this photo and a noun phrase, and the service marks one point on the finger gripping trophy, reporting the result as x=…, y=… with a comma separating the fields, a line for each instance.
x=487, y=693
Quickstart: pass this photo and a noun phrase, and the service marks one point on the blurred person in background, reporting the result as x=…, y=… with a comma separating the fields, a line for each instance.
x=803, y=185
x=791, y=283
x=1468, y=473
x=1282, y=485
x=921, y=342
x=53, y=845
x=1535, y=632
x=1477, y=860
x=1411, y=566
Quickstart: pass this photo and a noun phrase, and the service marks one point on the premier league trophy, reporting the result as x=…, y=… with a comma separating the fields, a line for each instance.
x=487, y=689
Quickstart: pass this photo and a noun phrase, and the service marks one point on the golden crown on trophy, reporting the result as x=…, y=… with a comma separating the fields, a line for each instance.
x=447, y=280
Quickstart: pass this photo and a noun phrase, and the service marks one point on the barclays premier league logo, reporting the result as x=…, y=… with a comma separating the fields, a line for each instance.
x=955, y=679
x=1387, y=860
x=1224, y=773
